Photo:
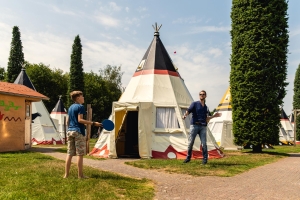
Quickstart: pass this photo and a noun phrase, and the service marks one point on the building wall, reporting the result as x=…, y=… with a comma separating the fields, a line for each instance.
x=12, y=123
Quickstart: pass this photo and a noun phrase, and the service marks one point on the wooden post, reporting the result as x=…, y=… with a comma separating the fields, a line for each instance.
x=88, y=128
x=65, y=129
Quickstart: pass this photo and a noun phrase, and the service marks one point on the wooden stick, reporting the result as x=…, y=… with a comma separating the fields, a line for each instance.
x=88, y=128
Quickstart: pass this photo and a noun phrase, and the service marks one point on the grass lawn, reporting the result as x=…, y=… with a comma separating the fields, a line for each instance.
x=234, y=162
x=63, y=149
x=31, y=175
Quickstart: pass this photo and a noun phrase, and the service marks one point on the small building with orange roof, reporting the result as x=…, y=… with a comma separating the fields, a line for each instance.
x=15, y=116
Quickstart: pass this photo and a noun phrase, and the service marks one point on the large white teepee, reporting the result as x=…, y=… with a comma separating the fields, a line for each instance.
x=43, y=129
x=221, y=127
x=147, y=117
x=58, y=115
x=286, y=130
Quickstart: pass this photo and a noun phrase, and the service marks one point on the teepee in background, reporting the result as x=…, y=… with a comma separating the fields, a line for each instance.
x=221, y=127
x=59, y=115
x=43, y=128
x=286, y=130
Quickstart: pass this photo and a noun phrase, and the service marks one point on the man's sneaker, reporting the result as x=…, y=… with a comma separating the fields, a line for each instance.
x=186, y=160
x=204, y=162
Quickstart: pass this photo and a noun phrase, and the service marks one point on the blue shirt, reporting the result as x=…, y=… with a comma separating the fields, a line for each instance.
x=73, y=112
x=199, y=113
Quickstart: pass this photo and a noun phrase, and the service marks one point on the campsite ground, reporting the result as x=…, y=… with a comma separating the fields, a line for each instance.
x=270, y=181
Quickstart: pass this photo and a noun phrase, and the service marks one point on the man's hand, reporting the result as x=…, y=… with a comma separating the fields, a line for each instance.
x=97, y=124
x=217, y=115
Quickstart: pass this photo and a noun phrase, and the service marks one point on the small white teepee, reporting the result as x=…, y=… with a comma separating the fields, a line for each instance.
x=221, y=127
x=43, y=128
x=58, y=115
x=286, y=130
x=148, y=116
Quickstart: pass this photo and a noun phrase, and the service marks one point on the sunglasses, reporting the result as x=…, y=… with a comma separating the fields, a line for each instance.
x=202, y=94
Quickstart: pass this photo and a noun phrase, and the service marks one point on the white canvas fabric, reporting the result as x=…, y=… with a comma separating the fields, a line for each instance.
x=58, y=119
x=151, y=107
x=286, y=130
x=43, y=129
x=221, y=127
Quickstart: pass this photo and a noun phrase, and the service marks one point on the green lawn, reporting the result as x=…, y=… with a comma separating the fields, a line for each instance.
x=234, y=162
x=31, y=175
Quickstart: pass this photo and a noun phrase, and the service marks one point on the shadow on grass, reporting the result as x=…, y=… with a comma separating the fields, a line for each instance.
x=227, y=164
x=16, y=152
x=268, y=152
x=110, y=176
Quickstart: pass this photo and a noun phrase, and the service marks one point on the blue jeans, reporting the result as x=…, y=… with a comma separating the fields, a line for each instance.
x=201, y=130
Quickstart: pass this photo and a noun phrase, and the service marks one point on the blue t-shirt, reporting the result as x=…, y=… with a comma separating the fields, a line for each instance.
x=73, y=112
x=199, y=113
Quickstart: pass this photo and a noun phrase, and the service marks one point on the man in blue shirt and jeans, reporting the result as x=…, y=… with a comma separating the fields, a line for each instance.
x=199, y=120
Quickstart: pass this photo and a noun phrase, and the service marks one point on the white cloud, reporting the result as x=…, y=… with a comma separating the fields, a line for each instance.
x=127, y=9
x=142, y=9
x=189, y=20
x=135, y=21
x=201, y=29
x=64, y=12
x=5, y=40
x=114, y=6
x=106, y=20
x=48, y=48
x=294, y=32
x=111, y=7
x=216, y=52
x=200, y=70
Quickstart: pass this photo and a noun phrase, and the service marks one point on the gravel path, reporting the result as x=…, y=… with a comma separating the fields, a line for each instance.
x=279, y=180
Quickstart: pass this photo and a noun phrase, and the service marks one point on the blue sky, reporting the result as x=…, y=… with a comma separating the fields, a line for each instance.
x=119, y=33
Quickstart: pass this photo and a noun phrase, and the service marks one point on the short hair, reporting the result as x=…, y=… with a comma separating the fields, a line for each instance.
x=202, y=91
x=75, y=94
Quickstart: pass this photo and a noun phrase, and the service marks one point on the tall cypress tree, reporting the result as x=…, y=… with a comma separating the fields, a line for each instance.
x=16, y=57
x=296, y=100
x=258, y=69
x=76, y=69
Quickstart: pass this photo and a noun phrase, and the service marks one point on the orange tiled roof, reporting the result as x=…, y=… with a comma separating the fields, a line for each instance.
x=20, y=90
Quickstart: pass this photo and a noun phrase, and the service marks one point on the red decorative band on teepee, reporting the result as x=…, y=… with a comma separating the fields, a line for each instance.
x=171, y=153
x=156, y=71
x=102, y=152
x=49, y=142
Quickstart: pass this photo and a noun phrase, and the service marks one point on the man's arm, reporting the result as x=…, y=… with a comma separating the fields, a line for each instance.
x=215, y=115
x=185, y=114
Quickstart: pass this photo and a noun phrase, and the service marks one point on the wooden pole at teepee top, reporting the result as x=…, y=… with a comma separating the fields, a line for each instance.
x=88, y=128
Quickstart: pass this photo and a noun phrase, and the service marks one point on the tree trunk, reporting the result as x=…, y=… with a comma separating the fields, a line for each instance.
x=257, y=149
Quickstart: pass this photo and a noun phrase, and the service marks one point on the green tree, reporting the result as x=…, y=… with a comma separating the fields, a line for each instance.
x=258, y=69
x=76, y=81
x=16, y=57
x=50, y=83
x=112, y=76
x=101, y=90
x=2, y=73
x=296, y=100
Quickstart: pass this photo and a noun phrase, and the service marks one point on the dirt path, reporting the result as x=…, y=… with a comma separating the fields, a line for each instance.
x=280, y=180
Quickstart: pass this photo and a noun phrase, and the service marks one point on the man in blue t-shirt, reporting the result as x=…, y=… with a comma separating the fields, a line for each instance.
x=76, y=133
x=198, y=125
